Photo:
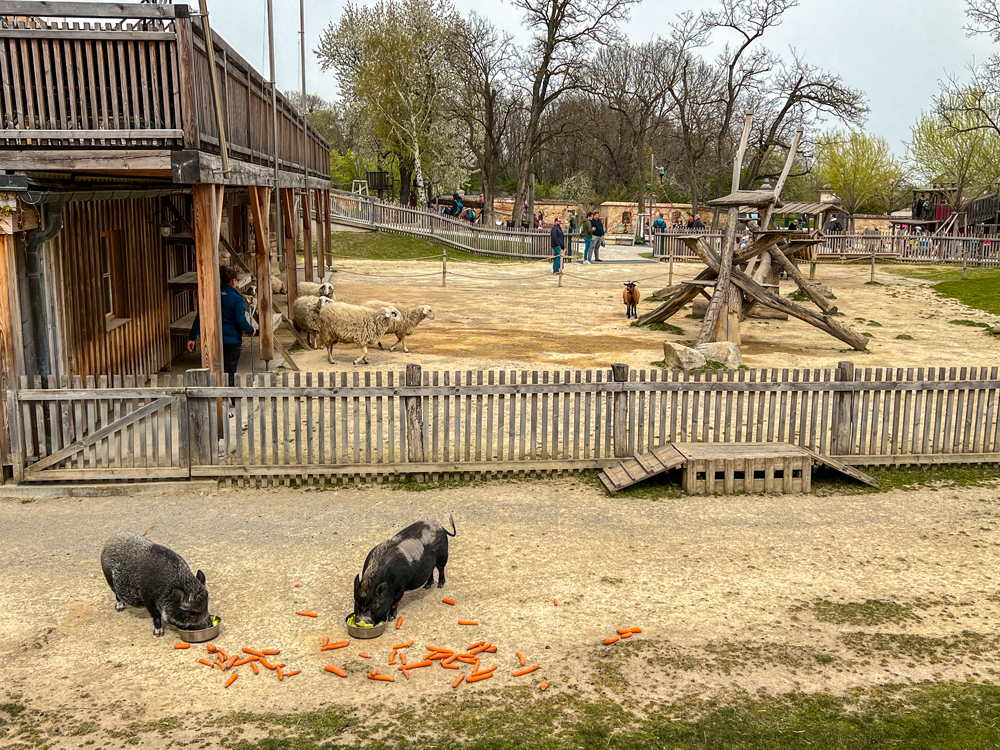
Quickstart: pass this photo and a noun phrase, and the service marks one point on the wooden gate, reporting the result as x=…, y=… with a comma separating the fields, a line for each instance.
x=78, y=433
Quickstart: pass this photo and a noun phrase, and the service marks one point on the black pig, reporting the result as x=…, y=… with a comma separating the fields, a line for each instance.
x=150, y=575
x=400, y=564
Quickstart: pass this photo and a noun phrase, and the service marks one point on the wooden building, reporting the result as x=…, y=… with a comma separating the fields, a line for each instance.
x=114, y=199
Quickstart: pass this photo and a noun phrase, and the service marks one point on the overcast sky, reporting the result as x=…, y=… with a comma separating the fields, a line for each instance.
x=895, y=51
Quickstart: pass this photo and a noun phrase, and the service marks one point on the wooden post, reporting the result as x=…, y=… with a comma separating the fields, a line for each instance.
x=843, y=411
x=329, y=226
x=201, y=438
x=8, y=352
x=444, y=265
x=291, y=256
x=562, y=262
x=258, y=205
x=207, y=199
x=619, y=373
x=414, y=417
x=307, y=234
x=873, y=264
x=670, y=265
x=186, y=81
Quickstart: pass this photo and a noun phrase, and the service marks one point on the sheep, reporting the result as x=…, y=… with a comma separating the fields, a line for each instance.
x=411, y=319
x=305, y=314
x=631, y=297
x=341, y=323
x=312, y=289
x=277, y=285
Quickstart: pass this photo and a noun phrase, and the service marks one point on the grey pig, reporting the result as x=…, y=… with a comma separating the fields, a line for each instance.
x=150, y=575
x=400, y=564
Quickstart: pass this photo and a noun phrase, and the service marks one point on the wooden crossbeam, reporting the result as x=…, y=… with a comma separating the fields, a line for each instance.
x=801, y=281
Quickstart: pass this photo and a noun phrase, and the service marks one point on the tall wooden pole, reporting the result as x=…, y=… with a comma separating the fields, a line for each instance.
x=8, y=354
x=291, y=257
x=206, y=241
x=258, y=204
x=274, y=128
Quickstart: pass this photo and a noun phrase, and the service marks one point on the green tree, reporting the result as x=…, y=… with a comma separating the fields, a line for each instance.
x=956, y=149
x=860, y=168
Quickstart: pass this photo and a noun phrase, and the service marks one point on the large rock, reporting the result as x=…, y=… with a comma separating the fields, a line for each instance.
x=724, y=352
x=679, y=357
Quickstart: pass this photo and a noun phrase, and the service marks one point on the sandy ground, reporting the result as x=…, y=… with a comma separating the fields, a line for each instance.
x=722, y=587
x=514, y=317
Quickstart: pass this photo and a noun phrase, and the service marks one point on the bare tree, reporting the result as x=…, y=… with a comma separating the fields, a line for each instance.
x=565, y=31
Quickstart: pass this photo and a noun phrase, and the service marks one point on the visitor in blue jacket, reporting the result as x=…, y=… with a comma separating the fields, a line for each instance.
x=235, y=322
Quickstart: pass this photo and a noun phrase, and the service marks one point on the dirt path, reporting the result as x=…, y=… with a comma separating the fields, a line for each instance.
x=513, y=317
x=725, y=589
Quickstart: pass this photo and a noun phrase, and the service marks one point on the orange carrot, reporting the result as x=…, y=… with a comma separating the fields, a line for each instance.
x=211, y=648
x=392, y=657
x=281, y=675
x=265, y=663
x=543, y=686
x=399, y=622
x=479, y=649
x=307, y=614
x=404, y=645
x=338, y=644
x=336, y=670
x=206, y=662
x=440, y=650
x=223, y=654
x=449, y=666
x=326, y=641
x=450, y=602
x=474, y=645
x=254, y=667
x=458, y=681
x=636, y=630
x=298, y=585
x=520, y=658
x=289, y=674
x=490, y=649
x=220, y=664
x=467, y=659
x=252, y=652
x=232, y=679
x=627, y=635
x=478, y=677
x=402, y=658
x=373, y=673
x=611, y=640
x=467, y=622
x=364, y=656
x=182, y=645
x=232, y=660
x=555, y=602
x=270, y=651
x=406, y=675
x=416, y=665
x=526, y=670
x=249, y=659
x=623, y=631
x=478, y=671
x=384, y=678
x=450, y=659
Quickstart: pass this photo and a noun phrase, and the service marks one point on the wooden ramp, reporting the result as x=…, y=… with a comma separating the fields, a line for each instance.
x=726, y=468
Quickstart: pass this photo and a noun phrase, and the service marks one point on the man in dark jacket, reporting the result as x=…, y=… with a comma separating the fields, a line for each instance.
x=558, y=244
x=598, y=236
x=235, y=322
x=587, y=230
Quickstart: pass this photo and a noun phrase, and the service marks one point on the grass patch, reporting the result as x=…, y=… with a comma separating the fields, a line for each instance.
x=905, y=337
x=869, y=612
x=970, y=323
x=13, y=709
x=978, y=290
x=874, y=283
x=828, y=482
x=665, y=327
x=385, y=246
x=664, y=485
x=919, y=648
x=646, y=255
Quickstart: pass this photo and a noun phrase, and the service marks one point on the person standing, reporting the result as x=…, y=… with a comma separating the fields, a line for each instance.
x=558, y=244
x=587, y=230
x=696, y=222
x=235, y=322
x=598, y=236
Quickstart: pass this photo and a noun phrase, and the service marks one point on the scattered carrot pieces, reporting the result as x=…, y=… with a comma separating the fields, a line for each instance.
x=491, y=649
x=526, y=670
x=232, y=660
x=627, y=635
x=520, y=658
x=446, y=665
x=252, y=651
x=636, y=630
x=232, y=679
x=182, y=645
x=477, y=671
x=383, y=678
x=450, y=602
x=543, y=686
x=206, y=662
x=281, y=675
x=295, y=672
x=439, y=650
x=211, y=648
x=479, y=649
x=223, y=654
x=402, y=658
x=611, y=640
x=406, y=675
x=416, y=665
x=458, y=681
x=364, y=656
x=336, y=670
x=307, y=614
x=265, y=663
x=298, y=585
x=392, y=657
x=249, y=659
x=450, y=659
x=338, y=644
x=467, y=622
x=373, y=673
x=254, y=667
x=555, y=602
x=467, y=658
x=476, y=644
x=399, y=622
x=270, y=651
x=479, y=677
x=326, y=641
x=404, y=645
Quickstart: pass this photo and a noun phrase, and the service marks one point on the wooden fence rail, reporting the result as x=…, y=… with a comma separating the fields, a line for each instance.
x=374, y=424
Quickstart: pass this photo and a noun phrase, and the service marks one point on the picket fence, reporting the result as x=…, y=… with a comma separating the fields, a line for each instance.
x=318, y=427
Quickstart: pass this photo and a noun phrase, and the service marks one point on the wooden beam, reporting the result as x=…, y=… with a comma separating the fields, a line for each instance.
x=8, y=353
x=328, y=252
x=307, y=235
x=59, y=134
x=190, y=166
x=206, y=240
x=291, y=256
x=83, y=35
x=187, y=85
x=65, y=160
x=90, y=10
x=258, y=205
x=803, y=283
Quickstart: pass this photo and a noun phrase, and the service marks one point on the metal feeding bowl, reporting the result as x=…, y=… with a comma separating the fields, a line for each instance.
x=200, y=636
x=355, y=632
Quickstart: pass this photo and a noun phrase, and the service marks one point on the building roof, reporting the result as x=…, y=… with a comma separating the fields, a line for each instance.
x=811, y=207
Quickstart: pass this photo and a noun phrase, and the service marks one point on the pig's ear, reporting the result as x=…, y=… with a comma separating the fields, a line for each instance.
x=201, y=577
x=382, y=588
x=357, y=585
x=177, y=597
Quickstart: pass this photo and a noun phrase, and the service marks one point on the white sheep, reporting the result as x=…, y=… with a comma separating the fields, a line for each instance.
x=277, y=285
x=341, y=323
x=313, y=289
x=305, y=314
x=411, y=319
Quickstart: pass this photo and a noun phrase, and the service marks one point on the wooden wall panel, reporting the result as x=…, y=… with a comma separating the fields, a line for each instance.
x=142, y=344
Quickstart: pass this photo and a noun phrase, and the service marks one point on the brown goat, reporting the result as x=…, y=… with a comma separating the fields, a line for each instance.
x=631, y=298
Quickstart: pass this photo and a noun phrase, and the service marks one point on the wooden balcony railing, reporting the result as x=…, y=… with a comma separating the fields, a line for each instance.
x=139, y=81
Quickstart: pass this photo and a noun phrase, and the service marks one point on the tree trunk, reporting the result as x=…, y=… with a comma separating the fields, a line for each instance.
x=523, y=170
x=641, y=203
x=488, y=196
x=405, y=178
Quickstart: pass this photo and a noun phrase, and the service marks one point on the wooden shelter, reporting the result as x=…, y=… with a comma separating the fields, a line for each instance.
x=131, y=154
